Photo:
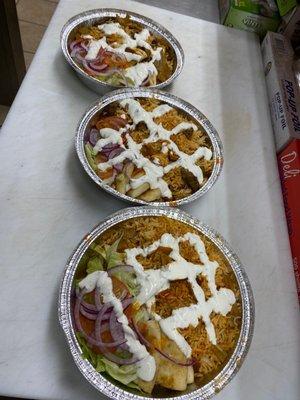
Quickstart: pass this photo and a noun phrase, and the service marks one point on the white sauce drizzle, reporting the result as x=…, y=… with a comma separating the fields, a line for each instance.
x=153, y=282
x=153, y=172
x=146, y=367
x=137, y=73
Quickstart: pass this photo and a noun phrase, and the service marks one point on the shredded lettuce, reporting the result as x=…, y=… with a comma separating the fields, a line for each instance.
x=135, y=386
x=87, y=353
x=109, y=255
x=113, y=258
x=129, y=81
x=122, y=373
x=129, y=278
x=142, y=315
x=103, y=258
x=90, y=156
x=116, y=79
x=94, y=264
x=125, y=374
x=100, y=365
x=100, y=250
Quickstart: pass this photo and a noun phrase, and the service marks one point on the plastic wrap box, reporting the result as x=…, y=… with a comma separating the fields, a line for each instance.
x=284, y=103
x=289, y=169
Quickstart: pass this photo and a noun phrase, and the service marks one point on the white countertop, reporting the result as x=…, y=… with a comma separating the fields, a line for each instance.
x=48, y=203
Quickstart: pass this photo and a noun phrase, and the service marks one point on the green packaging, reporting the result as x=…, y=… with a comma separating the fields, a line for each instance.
x=284, y=6
x=257, y=16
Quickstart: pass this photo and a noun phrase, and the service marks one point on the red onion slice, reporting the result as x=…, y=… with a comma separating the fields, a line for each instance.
x=109, y=71
x=150, y=346
x=88, y=306
x=75, y=43
x=97, y=67
x=188, y=363
x=109, y=147
x=99, y=319
x=85, y=46
x=79, y=56
x=98, y=303
x=115, y=328
x=105, y=153
x=126, y=303
x=100, y=55
x=86, y=137
x=106, y=354
x=118, y=167
x=146, y=81
x=75, y=50
x=72, y=45
x=88, y=315
x=94, y=136
x=91, y=340
x=93, y=311
x=116, y=152
x=102, y=51
x=87, y=67
x=140, y=336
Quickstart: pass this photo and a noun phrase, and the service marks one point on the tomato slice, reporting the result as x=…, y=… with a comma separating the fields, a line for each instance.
x=120, y=290
x=88, y=325
x=129, y=312
x=106, y=174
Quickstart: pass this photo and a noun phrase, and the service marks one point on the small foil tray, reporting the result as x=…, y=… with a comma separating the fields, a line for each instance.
x=65, y=318
x=173, y=101
x=94, y=16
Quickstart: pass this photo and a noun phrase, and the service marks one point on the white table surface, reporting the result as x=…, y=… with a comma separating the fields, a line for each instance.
x=48, y=204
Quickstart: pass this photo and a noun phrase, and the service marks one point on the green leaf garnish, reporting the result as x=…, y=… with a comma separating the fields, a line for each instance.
x=87, y=353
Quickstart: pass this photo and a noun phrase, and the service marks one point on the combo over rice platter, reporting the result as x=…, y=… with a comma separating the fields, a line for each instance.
x=149, y=150
x=156, y=306
x=122, y=52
